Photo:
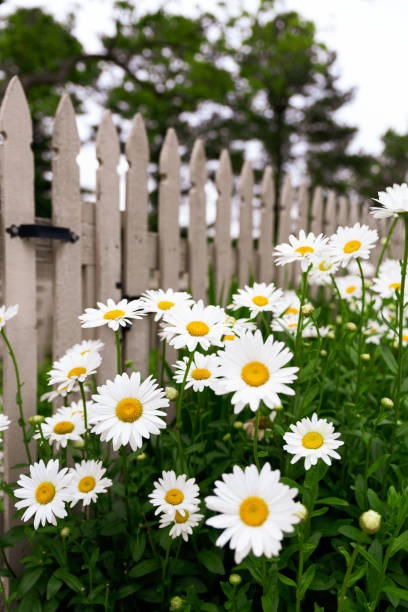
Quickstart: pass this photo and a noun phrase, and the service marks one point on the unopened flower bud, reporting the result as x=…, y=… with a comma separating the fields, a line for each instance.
x=331, y=335
x=368, y=282
x=226, y=437
x=365, y=356
x=351, y=326
x=237, y=425
x=129, y=363
x=307, y=309
x=35, y=419
x=370, y=522
x=301, y=511
x=339, y=320
x=79, y=443
x=65, y=531
x=235, y=579
x=171, y=393
x=277, y=407
x=141, y=457
x=386, y=402
x=323, y=353
x=176, y=603
x=383, y=240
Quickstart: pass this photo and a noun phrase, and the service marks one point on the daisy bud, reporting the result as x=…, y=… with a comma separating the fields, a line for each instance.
x=129, y=363
x=176, y=603
x=323, y=353
x=238, y=425
x=65, y=531
x=79, y=443
x=331, y=336
x=365, y=356
x=301, y=512
x=235, y=579
x=35, y=419
x=141, y=457
x=226, y=437
x=395, y=344
x=399, y=422
x=307, y=309
x=386, y=402
x=351, y=326
x=368, y=282
x=339, y=320
x=383, y=241
x=370, y=522
x=171, y=393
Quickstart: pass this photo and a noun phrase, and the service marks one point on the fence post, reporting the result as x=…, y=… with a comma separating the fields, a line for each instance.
x=303, y=208
x=136, y=240
x=222, y=239
x=197, y=229
x=245, y=241
x=18, y=278
x=107, y=234
x=265, y=260
x=284, y=226
x=66, y=212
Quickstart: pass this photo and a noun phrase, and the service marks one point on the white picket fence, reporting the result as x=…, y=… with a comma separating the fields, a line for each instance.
x=116, y=255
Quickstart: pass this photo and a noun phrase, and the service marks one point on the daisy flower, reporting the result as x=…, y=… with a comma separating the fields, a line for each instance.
x=290, y=324
x=351, y=242
x=258, y=298
x=87, y=481
x=127, y=410
x=367, y=267
x=60, y=428
x=312, y=440
x=202, y=372
x=73, y=367
x=388, y=280
x=237, y=327
x=50, y=396
x=173, y=494
x=182, y=524
x=300, y=249
x=7, y=313
x=160, y=301
x=113, y=314
x=349, y=287
x=375, y=331
x=288, y=305
x=199, y=325
x=4, y=422
x=44, y=492
x=253, y=371
x=255, y=509
x=75, y=409
x=87, y=346
x=323, y=267
x=394, y=200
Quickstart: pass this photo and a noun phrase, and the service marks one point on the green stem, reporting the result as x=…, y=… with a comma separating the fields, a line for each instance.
x=386, y=243
x=165, y=563
x=19, y=400
x=350, y=566
x=124, y=457
x=360, y=331
x=118, y=355
x=6, y=563
x=81, y=387
x=106, y=603
x=179, y=420
x=163, y=361
x=3, y=592
x=44, y=441
x=300, y=316
x=256, y=439
x=300, y=570
x=401, y=322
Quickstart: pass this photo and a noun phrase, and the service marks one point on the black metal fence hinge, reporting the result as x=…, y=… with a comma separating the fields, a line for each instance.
x=42, y=231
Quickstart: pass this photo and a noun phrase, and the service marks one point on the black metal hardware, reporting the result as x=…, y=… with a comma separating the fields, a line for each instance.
x=42, y=231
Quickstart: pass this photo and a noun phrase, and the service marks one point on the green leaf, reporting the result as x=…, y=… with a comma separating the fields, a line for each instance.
x=333, y=501
x=377, y=464
x=28, y=580
x=286, y=580
x=53, y=586
x=211, y=560
x=127, y=590
x=144, y=567
x=388, y=358
x=70, y=580
x=137, y=546
x=13, y=535
x=350, y=532
x=370, y=559
x=396, y=592
x=400, y=543
x=307, y=579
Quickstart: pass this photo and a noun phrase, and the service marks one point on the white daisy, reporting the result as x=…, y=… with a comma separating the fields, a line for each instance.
x=366, y=266
x=75, y=409
x=44, y=493
x=160, y=301
x=323, y=267
x=173, y=494
x=87, y=481
x=127, y=410
x=61, y=428
x=183, y=523
x=113, y=314
x=351, y=242
x=186, y=327
x=237, y=327
x=73, y=367
x=253, y=371
x=4, y=422
x=375, y=332
x=300, y=249
x=394, y=200
x=349, y=286
x=7, y=313
x=87, y=346
x=202, y=372
x=59, y=392
x=255, y=509
x=388, y=280
x=288, y=305
x=289, y=324
x=258, y=298
x=312, y=440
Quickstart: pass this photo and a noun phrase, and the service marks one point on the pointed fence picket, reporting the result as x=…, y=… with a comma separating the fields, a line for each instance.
x=116, y=256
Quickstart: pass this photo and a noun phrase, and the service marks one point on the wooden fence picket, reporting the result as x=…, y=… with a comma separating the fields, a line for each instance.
x=197, y=228
x=107, y=234
x=245, y=240
x=136, y=240
x=316, y=213
x=66, y=212
x=266, y=225
x=330, y=214
x=303, y=207
x=284, y=227
x=87, y=242
x=222, y=240
x=355, y=212
x=343, y=211
x=18, y=261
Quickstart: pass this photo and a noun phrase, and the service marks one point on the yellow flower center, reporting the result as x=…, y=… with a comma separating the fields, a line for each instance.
x=86, y=484
x=303, y=250
x=86, y=351
x=351, y=289
x=312, y=440
x=373, y=330
x=197, y=328
x=260, y=300
x=324, y=266
x=164, y=305
x=201, y=373
x=179, y=518
x=405, y=337
x=395, y=286
x=228, y=337
x=45, y=492
x=255, y=373
x=63, y=427
x=111, y=315
x=253, y=511
x=1, y=319
x=129, y=410
x=76, y=372
x=174, y=497
x=292, y=325
x=352, y=246
x=292, y=311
